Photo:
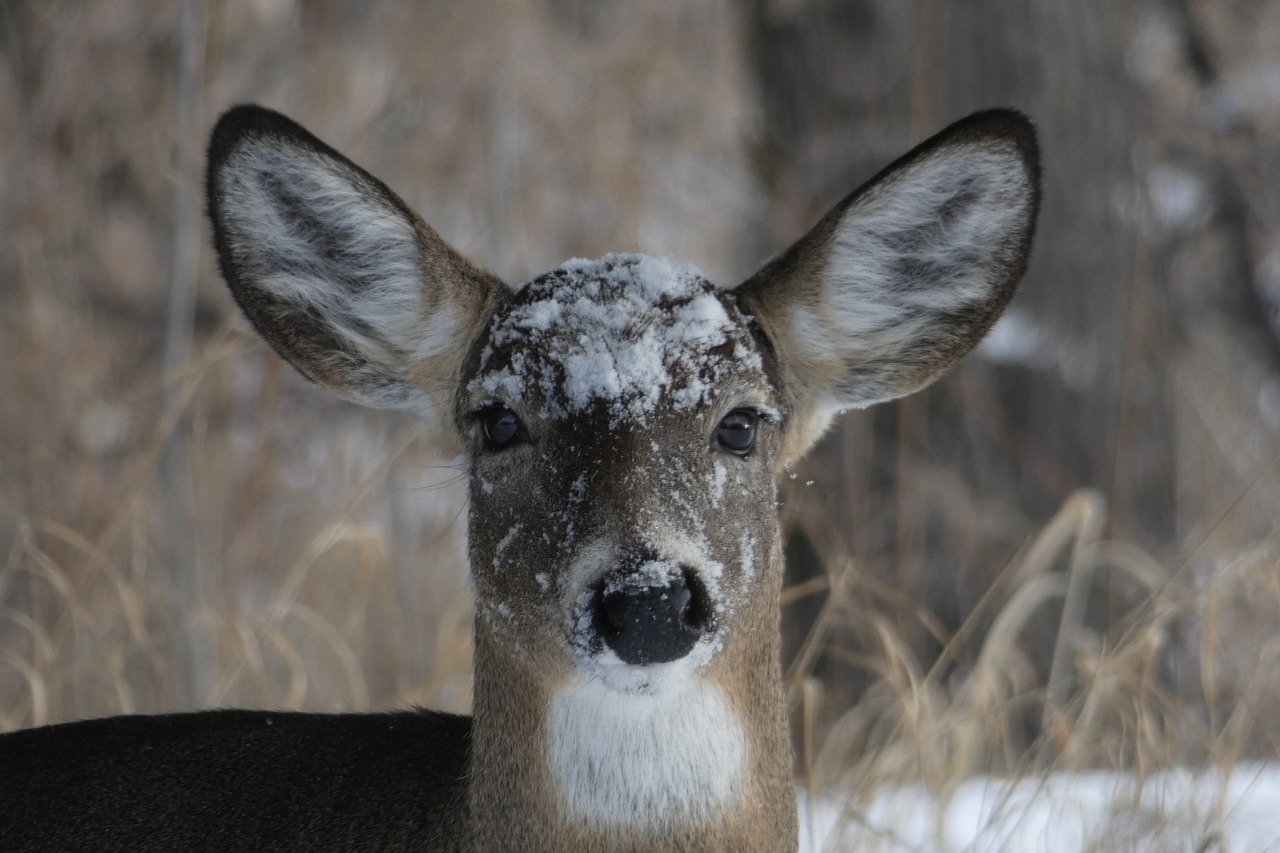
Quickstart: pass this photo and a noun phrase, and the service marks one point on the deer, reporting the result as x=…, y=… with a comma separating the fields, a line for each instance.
x=625, y=423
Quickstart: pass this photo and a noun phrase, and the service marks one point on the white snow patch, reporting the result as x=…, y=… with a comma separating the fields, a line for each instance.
x=624, y=329
x=719, y=474
x=1231, y=811
x=504, y=543
x=649, y=575
x=569, y=516
x=748, y=548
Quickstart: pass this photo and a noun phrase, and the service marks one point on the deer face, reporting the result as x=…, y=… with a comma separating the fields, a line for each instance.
x=623, y=432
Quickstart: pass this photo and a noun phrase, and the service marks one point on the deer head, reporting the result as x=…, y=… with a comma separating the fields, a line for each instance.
x=625, y=421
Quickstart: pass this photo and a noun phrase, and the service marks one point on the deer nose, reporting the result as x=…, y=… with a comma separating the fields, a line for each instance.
x=651, y=614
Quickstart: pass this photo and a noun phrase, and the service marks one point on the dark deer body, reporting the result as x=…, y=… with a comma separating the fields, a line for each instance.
x=625, y=421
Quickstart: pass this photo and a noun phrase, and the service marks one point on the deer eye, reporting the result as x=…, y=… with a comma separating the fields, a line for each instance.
x=500, y=425
x=736, y=431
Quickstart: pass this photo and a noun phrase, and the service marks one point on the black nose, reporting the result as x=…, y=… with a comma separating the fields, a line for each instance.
x=649, y=616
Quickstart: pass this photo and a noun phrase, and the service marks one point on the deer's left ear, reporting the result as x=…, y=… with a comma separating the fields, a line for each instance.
x=906, y=274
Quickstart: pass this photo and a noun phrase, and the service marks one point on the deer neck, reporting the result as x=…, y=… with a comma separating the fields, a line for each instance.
x=705, y=765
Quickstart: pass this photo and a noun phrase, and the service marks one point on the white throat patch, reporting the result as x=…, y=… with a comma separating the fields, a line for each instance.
x=627, y=761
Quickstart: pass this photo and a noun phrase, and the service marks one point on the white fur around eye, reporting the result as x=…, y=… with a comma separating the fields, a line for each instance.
x=624, y=761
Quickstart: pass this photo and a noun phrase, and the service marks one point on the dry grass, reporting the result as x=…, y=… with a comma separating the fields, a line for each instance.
x=1185, y=676
x=298, y=603
x=294, y=552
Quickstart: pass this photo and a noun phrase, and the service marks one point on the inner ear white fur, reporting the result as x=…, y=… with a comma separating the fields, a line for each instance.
x=927, y=247
x=322, y=241
x=906, y=275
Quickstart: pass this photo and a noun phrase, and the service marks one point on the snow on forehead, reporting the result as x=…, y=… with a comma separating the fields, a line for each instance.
x=623, y=330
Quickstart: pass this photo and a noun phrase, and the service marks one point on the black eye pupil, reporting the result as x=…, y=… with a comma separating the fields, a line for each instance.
x=501, y=426
x=737, y=431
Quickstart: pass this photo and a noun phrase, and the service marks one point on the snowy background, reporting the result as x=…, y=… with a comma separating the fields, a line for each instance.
x=1169, y=812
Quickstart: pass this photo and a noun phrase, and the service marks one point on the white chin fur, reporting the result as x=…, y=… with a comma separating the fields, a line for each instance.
x=631, y=761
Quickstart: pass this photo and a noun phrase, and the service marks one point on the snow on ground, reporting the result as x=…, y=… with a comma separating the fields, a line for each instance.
x=1236, y=811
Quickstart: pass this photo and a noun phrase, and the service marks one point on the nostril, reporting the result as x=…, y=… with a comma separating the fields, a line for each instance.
x=609, y=612
x=696, y=611
x=646, y=622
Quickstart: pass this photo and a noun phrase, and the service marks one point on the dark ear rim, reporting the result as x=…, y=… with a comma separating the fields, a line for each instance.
x=999, y=123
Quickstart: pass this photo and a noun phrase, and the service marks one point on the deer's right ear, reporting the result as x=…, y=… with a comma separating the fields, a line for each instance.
x=336, y=272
